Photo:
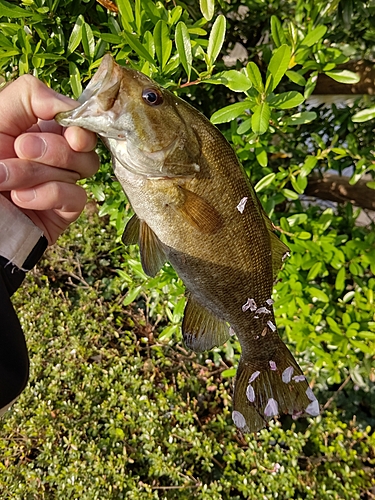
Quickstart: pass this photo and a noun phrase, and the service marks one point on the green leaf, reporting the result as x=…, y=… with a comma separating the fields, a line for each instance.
x=340, y=280
x=230, y=112
x=314, y=271
x=277, y=32
x=343, y=76
x=138, y=48
x=362, y=346
x=207, y=8
x=233, y=79
x=311, y=84
x=75, y=80
x=8, y=9
x=126, y=13
x=261, y=118
x=370, y=184
x=261, y=155
x=286, y=100
x=301, y=118
x=308, y=166
x=278, y=65
x=88, y=41
x=183, y=44
x=296, y=78
x=75, y=36
x=364, y=115
x=255, y=77
x=216, y=39
x=229, y=372
x=288, y=193
x=318, y=294
x=163, y=44
x=131, y=295
x=314, y=36
x=263, y=183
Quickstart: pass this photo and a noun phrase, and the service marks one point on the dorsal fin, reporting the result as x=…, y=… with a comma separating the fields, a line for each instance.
x=279, y=250
x=201, y=329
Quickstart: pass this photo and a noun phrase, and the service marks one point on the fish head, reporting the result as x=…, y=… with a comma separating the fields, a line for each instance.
x=141, y=123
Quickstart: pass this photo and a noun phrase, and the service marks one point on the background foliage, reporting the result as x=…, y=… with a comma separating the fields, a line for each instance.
x=116, y=407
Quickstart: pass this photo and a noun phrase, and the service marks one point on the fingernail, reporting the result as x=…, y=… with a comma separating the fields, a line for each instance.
x=25, y=195
x=32, y=146
x=4, y=173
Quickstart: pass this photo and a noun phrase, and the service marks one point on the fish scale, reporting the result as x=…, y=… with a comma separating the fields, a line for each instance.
x=195, y=207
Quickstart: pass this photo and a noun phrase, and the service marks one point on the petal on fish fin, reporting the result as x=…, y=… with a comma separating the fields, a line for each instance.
x=152, y=252
x=201, y=329
x=131, y=232
x=198, y=212
x=266, y=388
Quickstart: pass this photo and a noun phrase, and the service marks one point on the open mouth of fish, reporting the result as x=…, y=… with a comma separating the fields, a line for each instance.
x=97, y=100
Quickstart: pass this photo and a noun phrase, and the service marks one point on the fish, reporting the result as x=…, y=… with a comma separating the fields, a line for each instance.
x=195, y=207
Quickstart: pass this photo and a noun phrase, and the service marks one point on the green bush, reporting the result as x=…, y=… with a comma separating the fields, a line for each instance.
x=112, y=412
x=116, y=407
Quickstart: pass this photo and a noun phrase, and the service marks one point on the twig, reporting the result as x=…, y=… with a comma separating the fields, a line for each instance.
x=338, y=390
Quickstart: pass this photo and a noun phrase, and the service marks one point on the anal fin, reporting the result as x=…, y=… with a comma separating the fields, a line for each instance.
x=266, y=388
x=201, y=329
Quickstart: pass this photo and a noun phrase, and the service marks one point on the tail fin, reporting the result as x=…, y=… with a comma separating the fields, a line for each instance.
x=266, y=388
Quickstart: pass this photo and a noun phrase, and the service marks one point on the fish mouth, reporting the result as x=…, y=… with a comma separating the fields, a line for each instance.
x=96, y=101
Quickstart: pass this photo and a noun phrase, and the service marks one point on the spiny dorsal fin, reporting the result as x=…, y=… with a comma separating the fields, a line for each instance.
x=198, y=212
x=201, y=329
x=131, y=231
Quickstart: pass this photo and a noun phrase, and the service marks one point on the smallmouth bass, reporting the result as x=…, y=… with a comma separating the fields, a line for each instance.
x=195, y=207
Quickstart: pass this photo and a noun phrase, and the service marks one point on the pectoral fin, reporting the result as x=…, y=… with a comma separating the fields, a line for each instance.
x=201, y=329
x=151, y=249
x=131, y=232
x=198, y=212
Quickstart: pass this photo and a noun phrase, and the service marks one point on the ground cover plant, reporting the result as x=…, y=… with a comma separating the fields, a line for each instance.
x=116, y=406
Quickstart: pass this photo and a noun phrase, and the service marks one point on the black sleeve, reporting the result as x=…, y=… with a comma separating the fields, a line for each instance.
x=14, y=360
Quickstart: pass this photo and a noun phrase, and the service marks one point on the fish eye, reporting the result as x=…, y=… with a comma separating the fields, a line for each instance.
x=153, y=97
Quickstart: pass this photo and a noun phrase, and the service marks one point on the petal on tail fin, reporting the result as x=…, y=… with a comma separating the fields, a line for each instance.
x=266, y=388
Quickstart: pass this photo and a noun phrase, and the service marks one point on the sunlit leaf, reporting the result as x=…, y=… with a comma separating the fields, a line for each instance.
x=207, y=8
x=216, y=39
x=261, y=118
x=277, y=32
x=163, y=44
x=255, y=77
x=314, y=36
x=286, y=100
x=264, y=182
x=183, y=44
x=278, y=65
x=230, y=112
x=364, y=115
x=343, y=76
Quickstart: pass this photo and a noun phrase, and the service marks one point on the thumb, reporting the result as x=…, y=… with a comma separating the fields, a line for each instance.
x=25, y=101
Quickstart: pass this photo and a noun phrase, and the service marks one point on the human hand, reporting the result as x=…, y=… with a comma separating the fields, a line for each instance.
x=40, y=162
